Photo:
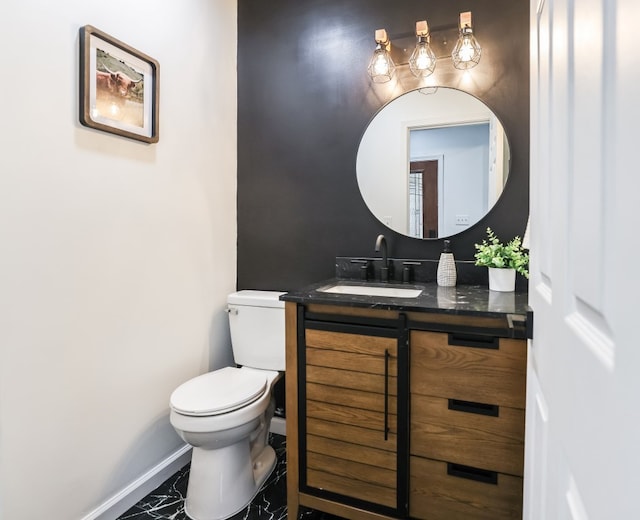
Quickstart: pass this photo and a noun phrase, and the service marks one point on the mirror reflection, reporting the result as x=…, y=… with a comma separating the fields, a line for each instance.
x=432, y=162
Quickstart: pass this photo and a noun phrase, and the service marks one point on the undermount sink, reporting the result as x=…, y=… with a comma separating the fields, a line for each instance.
x=372, y=290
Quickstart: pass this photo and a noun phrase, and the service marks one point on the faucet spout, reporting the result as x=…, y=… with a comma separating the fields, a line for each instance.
x=381, y=246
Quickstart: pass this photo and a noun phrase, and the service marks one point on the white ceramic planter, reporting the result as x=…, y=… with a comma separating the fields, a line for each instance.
x=503, y=280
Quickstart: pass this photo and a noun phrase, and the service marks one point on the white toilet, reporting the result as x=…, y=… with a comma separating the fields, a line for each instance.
x=225, y=414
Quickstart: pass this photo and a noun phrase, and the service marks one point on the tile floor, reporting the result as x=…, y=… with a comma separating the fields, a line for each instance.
x=167, y=501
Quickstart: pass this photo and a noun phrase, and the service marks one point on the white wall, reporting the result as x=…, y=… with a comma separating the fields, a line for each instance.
x=116, y=256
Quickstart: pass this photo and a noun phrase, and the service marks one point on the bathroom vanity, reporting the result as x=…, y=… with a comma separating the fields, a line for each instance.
x=406, y=406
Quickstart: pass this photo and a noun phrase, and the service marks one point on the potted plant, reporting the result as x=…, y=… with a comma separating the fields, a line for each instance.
x=503, y=261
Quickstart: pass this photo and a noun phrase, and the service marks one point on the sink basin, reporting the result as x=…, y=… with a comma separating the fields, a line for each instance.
x=373, y=290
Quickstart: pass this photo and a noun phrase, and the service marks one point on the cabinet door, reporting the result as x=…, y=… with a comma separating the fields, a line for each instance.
x=351, y=415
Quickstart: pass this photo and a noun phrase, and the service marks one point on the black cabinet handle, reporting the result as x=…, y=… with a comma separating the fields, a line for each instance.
x=476, y=341
x=471, y=473
x=492, y=410
x=386, y=394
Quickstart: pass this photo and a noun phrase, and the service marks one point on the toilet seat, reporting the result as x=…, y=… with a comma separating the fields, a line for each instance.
x=218, y=392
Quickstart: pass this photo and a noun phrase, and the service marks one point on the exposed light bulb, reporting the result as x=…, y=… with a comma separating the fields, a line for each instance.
x=423, y=60
x=467, y=51
x=381, y=67
x=381, y=64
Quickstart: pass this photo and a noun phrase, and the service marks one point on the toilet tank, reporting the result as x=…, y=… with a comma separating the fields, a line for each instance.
x=256, y=321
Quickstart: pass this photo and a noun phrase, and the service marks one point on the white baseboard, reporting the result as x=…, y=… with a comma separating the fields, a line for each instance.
x=141, y=487
x=278, y=425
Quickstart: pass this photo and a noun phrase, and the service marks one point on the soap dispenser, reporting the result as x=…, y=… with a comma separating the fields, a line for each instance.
x=447, y=267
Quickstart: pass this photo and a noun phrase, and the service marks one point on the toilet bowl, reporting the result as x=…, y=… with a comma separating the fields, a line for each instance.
x=231, y=456
x=225, y=414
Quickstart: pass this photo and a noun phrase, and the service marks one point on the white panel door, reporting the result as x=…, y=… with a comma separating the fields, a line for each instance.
x=583, y=402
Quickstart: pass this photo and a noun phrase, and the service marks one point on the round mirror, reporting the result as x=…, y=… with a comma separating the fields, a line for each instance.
x=432, y=162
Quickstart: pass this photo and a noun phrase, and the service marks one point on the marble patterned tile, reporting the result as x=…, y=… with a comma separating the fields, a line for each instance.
x=167, y=501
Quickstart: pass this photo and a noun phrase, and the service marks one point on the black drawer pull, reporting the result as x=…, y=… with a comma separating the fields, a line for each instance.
x=469, y=340
x=468, y=472
x=492, y=410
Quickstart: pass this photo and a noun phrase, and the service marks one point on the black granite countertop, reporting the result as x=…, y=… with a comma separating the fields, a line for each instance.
x=472, y=300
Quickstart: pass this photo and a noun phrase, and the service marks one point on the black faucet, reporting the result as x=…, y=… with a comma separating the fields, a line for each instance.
x=381, y=245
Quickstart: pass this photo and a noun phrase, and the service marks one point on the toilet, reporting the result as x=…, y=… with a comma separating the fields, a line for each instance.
x=225, y=414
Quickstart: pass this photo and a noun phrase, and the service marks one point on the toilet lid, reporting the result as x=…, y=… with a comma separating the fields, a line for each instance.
x=218, y=392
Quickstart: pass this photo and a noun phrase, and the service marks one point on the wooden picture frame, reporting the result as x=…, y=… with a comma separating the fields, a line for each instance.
x=119, y=87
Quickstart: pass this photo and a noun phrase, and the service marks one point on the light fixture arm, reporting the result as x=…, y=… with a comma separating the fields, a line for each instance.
x=382, y=39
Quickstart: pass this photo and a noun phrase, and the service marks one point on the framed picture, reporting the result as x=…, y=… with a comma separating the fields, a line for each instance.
x=119, y=87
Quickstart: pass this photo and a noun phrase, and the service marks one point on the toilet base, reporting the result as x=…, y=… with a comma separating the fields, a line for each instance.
x=216, y=495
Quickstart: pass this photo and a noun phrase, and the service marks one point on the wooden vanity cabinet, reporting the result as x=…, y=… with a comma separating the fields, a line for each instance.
x=390, y=416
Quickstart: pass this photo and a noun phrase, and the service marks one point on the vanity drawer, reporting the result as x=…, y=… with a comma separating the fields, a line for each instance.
x=442, y=491
x=467, y=433
x=469, y=368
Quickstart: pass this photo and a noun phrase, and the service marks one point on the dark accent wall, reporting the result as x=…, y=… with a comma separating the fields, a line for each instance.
x=304, y=101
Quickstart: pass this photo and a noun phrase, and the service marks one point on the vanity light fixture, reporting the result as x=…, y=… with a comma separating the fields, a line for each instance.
x=466, y=53
x=423, y=60
x=381, y=66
